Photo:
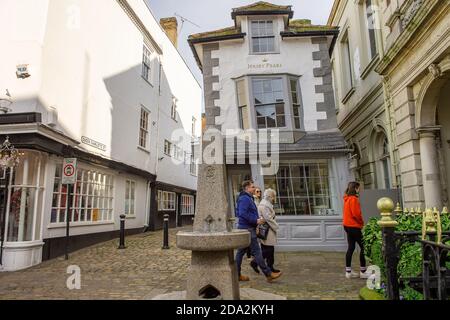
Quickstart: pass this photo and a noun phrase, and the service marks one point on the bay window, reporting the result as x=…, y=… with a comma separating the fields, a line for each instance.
x=295, y=96
x=269, y=102
x=92, y=197
x=244, y=122
x=24, y=198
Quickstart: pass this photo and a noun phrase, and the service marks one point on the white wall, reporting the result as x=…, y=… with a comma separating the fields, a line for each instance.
x=87, y=66
x=351, y=18
x=296, y=57
x=176, y=81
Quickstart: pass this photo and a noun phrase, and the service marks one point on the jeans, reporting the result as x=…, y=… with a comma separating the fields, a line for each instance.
x=354, y=235
x=268, y=253
x=256, y=252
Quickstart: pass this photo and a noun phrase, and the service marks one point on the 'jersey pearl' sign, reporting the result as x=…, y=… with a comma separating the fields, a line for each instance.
x=264, y=65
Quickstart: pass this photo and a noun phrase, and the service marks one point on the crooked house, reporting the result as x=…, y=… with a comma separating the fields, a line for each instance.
x=269, y=71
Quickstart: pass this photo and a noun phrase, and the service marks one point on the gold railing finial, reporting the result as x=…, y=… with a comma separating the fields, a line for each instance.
x=386, y=206
x=437, y=215
x=429, y=222
x=398, y=211
x=419, y=211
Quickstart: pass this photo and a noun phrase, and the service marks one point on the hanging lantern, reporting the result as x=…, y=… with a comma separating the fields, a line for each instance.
x=9, y=156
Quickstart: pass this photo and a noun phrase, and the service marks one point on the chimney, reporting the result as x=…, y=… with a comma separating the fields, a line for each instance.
x=170, y=26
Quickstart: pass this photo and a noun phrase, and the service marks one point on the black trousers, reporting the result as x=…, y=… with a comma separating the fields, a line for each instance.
x=268, y=253
x=354, y=235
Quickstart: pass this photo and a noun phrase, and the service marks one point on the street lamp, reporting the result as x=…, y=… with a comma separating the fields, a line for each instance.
x=9, y=158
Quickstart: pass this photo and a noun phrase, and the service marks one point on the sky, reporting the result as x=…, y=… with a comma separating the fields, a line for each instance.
x=216, y=14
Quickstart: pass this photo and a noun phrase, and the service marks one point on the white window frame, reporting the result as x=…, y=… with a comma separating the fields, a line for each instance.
x=144, y=128
x=192, y=164
x=130, y=196
x=167, y=201
x=194, y=125
x=177, y=152
x=274, y=103
x=296, y=104
x=94, y=190
x=368, y=24
x=242, y=103
x=173, y=109
x=322, y=202
x=348, y=80
x=187, y=205
x=168, y=146
x=254, y=36
x=147, y=64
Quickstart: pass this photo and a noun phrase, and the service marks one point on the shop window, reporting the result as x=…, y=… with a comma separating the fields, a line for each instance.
x=187, y=204
x=166, y=201
x=24, y=197
x=92, y=197
x=303, y=188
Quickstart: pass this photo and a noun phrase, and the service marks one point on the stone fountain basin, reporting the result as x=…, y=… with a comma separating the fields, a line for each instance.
x=213, y=241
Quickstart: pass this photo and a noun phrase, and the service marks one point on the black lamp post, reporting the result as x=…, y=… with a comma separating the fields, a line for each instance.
x=9, y=158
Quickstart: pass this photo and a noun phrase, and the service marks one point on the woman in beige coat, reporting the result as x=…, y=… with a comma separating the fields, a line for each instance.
x=266, y=211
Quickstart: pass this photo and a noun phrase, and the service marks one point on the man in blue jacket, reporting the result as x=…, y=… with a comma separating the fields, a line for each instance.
x=248, y=216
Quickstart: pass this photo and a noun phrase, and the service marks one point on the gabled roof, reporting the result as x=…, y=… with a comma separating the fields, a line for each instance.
x=303, y=27
x=216, y=33
x=262, y=8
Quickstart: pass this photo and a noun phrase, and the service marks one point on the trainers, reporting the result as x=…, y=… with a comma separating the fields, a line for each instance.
x=351, y=275
x=244, y=278
x=364, y=275
x=272, y=276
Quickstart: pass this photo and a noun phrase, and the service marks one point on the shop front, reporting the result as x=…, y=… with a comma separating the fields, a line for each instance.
x=310, y=183
x=22, y=198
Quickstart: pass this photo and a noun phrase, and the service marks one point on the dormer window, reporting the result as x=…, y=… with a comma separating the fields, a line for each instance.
x=262, y=36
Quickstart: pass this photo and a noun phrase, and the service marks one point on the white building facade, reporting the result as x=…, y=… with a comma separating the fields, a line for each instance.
x=272, y=72
x=108, y=89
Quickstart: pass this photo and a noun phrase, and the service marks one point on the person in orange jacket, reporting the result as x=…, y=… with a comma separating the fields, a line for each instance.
x=353, y=223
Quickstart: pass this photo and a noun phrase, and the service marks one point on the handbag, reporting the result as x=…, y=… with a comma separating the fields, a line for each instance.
x=262, y=231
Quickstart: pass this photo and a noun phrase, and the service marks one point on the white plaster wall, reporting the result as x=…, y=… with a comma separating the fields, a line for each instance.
x=351, y=18
x=176, y=81
x=295, y=57
x=87, y=66
x=23, y=23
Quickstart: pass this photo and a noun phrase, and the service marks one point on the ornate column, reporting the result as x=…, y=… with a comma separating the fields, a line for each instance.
x=430, y=166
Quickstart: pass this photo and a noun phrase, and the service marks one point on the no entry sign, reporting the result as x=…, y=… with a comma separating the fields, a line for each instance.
x=69, y=171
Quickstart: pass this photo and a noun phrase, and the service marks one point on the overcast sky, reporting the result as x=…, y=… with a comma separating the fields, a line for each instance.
x=216, y=14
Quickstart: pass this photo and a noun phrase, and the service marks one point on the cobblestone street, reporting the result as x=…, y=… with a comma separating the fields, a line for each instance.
x=144, y=270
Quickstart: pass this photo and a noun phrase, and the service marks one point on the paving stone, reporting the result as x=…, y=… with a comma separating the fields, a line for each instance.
x=144, y=271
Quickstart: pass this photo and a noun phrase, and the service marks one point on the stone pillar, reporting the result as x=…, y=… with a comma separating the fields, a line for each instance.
x=430, y=167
